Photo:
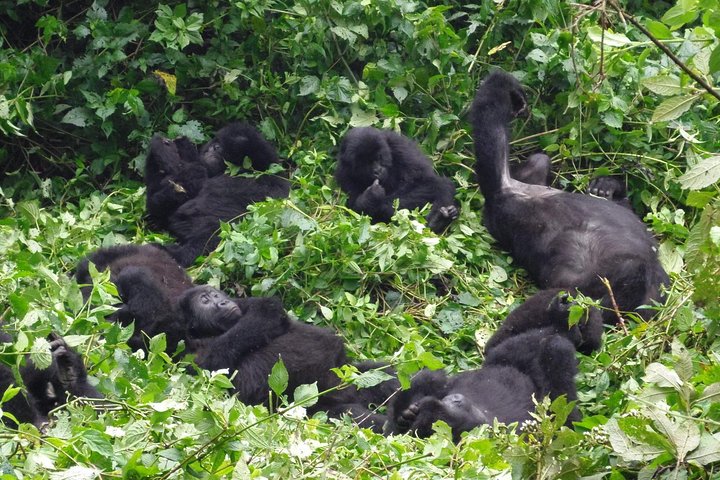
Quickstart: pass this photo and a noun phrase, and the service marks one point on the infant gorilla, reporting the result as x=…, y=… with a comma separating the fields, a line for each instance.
x=149, y=282
x=188, y=195
x=46, y=389
x=375, y=167
x=250, y=335
x=531, y=355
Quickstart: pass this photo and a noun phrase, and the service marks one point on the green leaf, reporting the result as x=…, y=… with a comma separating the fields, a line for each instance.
x=608, y=38
x=659, y=30
x=701, y=175
x=707, y=452
x=40, y=353
x=663, y=376
x=278, y=378
x=309, y=84
x=306, y=395
x=371, y=378
x=672, y=108
x=678, y=16
x=77, y=116
x=711, y=393
x=663, y=84
x=714, y=62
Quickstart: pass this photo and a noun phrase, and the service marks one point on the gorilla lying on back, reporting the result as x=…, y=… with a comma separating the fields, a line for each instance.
x=565, y=240
x=250, y=335
x=149, y=282
x=375, y=167
x=532, y=356
x=188, y=195
x=46, y=389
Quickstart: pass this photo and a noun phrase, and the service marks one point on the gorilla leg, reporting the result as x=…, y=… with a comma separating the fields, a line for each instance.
x=535, y=170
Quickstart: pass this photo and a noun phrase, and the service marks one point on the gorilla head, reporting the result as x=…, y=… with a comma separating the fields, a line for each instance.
x=210, y=312
x=233, y=143
x=362, y=145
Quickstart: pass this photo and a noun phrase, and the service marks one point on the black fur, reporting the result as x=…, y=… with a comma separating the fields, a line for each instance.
x=532, y=356
x=548, y=310
x=250, y=335
x=149, y=282
x=232, y=144
x=46, y=389
x=375, y=167
x=564, y=240
x=187, y=197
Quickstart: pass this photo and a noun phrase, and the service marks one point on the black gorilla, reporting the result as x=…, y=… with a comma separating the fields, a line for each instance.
x=187, y=195
x=533, y=356
x=149, y=282
x=250, y=335
x=563, y=239
x=233, y=143
x=375, y=167
x=46, y=389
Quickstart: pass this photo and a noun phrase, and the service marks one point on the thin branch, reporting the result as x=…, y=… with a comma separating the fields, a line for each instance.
x=616, y=309
x=667, y=51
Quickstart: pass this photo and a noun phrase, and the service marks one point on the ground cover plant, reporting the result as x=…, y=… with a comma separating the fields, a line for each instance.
x=626, y=88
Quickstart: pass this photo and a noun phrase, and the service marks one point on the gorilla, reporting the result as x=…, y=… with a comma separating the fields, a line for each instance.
x=149, y=282
x=233, y=143
x=188, y=195
x=46, y=389
x=375, y=167
x=249, y=336
x=533, y=355
x=564, y=240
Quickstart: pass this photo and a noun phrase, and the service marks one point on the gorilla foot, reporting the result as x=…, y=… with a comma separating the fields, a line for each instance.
x=606, y=187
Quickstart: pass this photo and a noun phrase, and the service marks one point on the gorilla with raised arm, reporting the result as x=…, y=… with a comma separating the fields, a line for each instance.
x=249, y=336
x=565, y=240
x=375, y=167
x=188, y=195
x=149, y=282
x=47, y=388
x=533, y=355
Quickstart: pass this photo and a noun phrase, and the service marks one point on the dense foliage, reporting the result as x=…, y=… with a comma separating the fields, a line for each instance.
x=83, y=87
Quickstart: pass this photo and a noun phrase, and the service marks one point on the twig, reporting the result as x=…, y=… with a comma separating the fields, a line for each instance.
x=667, y=51
x=616, y=309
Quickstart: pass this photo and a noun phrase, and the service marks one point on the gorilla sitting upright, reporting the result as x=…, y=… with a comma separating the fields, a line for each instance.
x=46, y=389
x=188, y=195
x=565, y=240
x=532, y=356
x=250, y=335
x=375, y=167
x=149, y=282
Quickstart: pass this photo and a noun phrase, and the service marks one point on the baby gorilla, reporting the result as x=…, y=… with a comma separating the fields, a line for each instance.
x=375, y=167
x=532, y=357
x=250, y=335
x=565, y=240
x=46, y=389
x=188, y=195
x=149, y=282
x=232, y=144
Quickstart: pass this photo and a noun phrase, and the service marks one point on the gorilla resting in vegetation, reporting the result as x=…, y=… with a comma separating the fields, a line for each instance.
x=532, y=356
x=563, y=239
x=188, y=195
x=375, y=167
x=46, y=389
x=250, y=335
x=149, y=282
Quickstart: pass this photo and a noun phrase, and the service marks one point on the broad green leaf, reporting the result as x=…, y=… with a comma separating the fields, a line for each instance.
x=608, y=38
x=40, y=353
x=707, y=452
x=663, y=376
x=309, y=84
x=711, y=393
x=714, y=62
x=371, y=378
x=701, y=175
x=659, y=30
x=678, y=16
x=628, y=449
x=672, y=108
x=77, y=116
x=306, y=395
x=663, y=84
x=278, y=378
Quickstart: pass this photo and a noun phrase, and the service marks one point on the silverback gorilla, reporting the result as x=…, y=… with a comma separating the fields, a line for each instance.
x=565, y=240
x=249, y=335
x=531, y=355
x=375, y=167
x=188, y=195
x=149, y=282
x=46, y=389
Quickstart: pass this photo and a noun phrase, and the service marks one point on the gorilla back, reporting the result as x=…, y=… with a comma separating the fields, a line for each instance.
x=563, y=239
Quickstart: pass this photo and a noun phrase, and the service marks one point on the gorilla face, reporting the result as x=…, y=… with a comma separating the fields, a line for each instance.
x=209, y=311
x=168, y=157
x=213, y=156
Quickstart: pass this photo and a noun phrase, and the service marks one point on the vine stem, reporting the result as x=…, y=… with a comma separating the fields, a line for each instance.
x=665, y=49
